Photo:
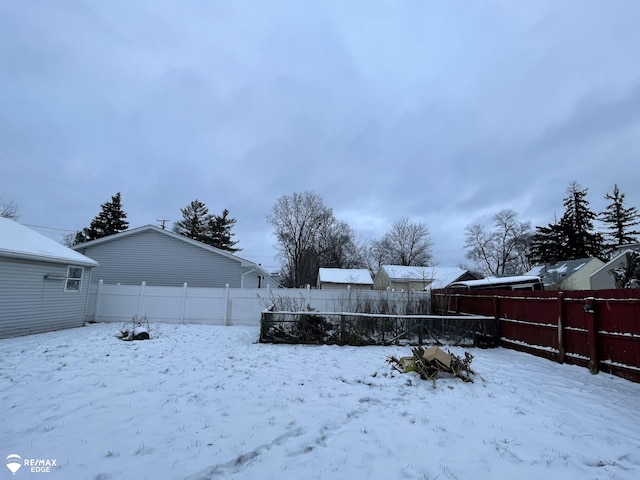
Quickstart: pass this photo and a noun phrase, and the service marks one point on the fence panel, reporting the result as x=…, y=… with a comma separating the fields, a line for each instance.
x=599, y=329
x=227, y=306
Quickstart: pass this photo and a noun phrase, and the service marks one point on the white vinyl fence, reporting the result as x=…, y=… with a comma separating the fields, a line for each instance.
x=236, y=306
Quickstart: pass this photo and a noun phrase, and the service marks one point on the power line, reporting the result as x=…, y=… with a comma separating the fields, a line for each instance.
x=48, y=228
x=2, y=159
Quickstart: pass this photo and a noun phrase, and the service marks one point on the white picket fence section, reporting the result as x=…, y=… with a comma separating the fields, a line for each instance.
x=226, y=306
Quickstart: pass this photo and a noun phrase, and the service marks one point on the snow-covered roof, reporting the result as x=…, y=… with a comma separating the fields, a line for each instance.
x=18, y=241
x=401, y=272
x=499, y=280
x=551, y=273
x=347, y=276
x=435, y=276
x=443, y=276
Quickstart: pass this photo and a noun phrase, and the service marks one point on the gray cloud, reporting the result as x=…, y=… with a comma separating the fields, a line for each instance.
x=437, y=111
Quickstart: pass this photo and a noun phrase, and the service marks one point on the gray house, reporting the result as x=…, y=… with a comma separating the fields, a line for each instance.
x=163, y=258
x=606, y=277
x=567, y=275
x=43, y=285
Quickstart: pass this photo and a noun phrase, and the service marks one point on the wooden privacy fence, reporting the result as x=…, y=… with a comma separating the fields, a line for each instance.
x=598, y=329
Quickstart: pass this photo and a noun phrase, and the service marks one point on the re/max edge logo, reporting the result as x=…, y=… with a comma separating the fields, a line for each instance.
x=35, y=465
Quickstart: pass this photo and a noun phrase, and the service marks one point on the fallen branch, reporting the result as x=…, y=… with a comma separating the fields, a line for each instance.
x=432, y=361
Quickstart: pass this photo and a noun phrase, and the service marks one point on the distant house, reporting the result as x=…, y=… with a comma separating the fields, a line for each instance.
x=163, y=258
x=43, y=284
x=604, y=278
x=567, y=275
x=399, y=277
x=341, y=278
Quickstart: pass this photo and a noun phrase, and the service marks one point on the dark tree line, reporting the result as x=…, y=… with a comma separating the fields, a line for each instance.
x=574, y=235
x=509, y=246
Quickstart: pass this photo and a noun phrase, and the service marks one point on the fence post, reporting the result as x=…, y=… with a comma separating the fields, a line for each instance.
x=141, y=303
x=227, y=315
x=308, y=294
x=561, y=313
x=184, y=302
x=96, y=309
x=592, y=334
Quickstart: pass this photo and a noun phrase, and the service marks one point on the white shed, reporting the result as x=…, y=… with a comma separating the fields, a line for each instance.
x=43, y=284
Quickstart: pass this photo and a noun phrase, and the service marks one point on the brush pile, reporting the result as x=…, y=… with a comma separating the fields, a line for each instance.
x=430, y=362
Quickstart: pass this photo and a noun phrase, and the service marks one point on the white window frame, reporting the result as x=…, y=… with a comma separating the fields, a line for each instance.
x=73, y=282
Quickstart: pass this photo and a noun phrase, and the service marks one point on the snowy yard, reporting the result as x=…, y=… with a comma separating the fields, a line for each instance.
x=205, y=402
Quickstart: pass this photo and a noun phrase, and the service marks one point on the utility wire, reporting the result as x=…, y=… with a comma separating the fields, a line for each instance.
x=34, y=172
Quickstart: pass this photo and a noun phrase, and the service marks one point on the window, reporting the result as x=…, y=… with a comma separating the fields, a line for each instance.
x=74, y=279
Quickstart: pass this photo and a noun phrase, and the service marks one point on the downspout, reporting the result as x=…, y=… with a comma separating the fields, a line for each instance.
x=86, y=302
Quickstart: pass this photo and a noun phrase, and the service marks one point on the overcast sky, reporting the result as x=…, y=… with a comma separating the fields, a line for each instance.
x=443, y=112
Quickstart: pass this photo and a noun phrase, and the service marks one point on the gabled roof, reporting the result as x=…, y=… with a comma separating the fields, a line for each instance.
x=437, y=277
x=117, y=236
x=615, y=260
x=552, y=273
x=18, y=241
x=347, y=276
x=403, y=273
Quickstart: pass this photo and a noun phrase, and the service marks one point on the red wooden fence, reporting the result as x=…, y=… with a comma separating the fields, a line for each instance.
x=599, y=329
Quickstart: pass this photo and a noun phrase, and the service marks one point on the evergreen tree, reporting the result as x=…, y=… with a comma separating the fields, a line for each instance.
x=220, y=232
x=573, y=236
x=198, y=224
x=112, y=219
x=195, y=221
x=619, y=220
x=577, y=223
x=548, y=244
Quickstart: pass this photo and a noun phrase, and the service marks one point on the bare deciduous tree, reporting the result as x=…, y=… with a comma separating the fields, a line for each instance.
x=502, y=249
x=9, y=210
x=406, y=243
x=310, y=237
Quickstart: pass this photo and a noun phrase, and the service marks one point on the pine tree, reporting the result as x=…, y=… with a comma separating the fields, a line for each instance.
x=198, y=224
x=112, y=219
x=619, y=220
x=548, y=245
x=195, y=221
x=573, y=236
x=220, y=232
x=577, y=223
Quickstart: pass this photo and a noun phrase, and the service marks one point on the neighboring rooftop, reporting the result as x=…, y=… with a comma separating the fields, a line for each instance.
x=18, y=241
x=554, y=273
x=347, y=276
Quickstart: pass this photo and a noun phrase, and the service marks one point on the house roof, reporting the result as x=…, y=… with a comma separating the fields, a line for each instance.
x=615, y=261
x=437, y=277
x=18, y=241
x=551, y=273
x=353, y=276
x=182, y=238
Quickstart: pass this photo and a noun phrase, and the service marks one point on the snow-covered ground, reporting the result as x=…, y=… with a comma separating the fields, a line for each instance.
x=203, y=402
